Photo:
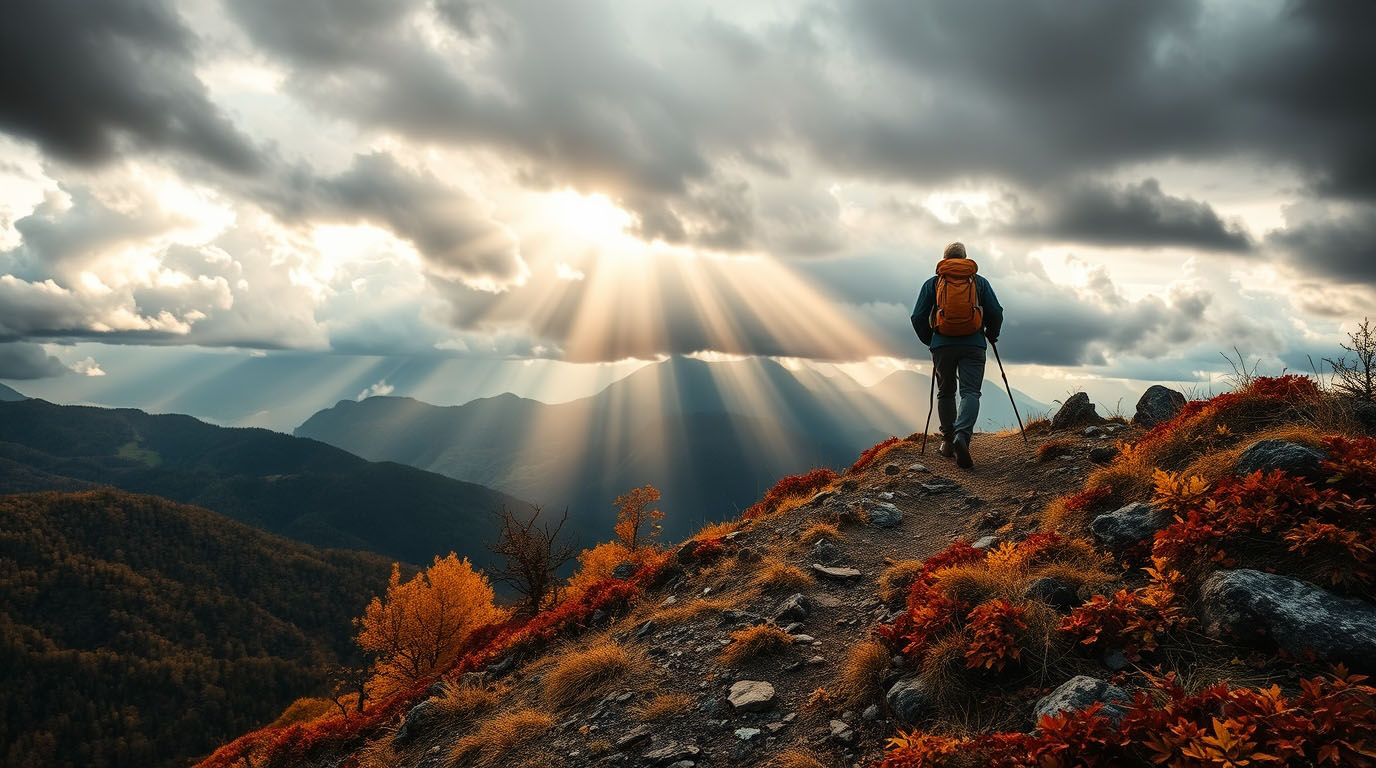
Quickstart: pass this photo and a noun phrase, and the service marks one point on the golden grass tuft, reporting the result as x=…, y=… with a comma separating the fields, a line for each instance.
x=599, y=747
x=464, y=700
x=692, y=608
x=374, y=754
x=308, y=709
x=796, y=757
x=717, y=530
x=494, y=739
x=662, y=705
x=895, y=580
x=861, y=677
x=817, y=531
x=753, y=642
x=581, y=676
x=776, y=575
x=975, y=583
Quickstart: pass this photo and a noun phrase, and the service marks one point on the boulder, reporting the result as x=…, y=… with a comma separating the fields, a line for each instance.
x=1077, y=411
x=624, y=570
x=910, y=701
x=1053, y=592
x=1133, y=524
x=1298, y=618
x=1290, y=458
x=795, y=607
x=420, y=719
x=1079, y=693
x=885, y=515
x=751, y=696
x=1156, y=405
x=838, y=573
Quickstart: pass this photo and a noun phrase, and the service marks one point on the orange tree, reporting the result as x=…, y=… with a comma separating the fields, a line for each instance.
x=634, y=511
x=419, y=626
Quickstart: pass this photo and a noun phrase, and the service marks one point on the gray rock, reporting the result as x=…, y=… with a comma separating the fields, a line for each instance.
x=1094, y=431
x=918, y=468
x=1298, y=617
x=420, y=719
x=825, y=551
x=1156, y=405
x=796, y=606
x=803, y=639
x=746, y=734
x=910, y=701
x=1132, y=524
x=885, y=515
x=986, y=542
x=634, y=736
x=671, y=753
x=1079, y=693
x=840, y=574
x=1077, y=411
x=709, y=707
x=841, y=732
x=751, y=696
x=624, y=570
x=502, y=667
x=644, y=630
x=1115, y=660
x=1290, y=458
x=1053, y=592
x=871, y=712
x=891, y=469
x=737, y=616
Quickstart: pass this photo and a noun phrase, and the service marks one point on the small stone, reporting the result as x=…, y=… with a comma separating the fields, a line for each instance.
x=838, y=573
x=796, y=606
x=986, y=542
x=671, y=752
x=815, y=660
x=1133, y=524
x=918, y=468
x=1077, y=694
x=645, y=629
x=871, y=713
x=709, y=707
x=886, y=496
x=803, y=639
x=746, y=734
x=793, y=628
x=934, y=488
x=419, y=720
x=825, y=551
x=634, y=736
x=910, y=701
x=1103, y=454
x=624, y=570
x=841, y=732
x=1053, y=592
x=1093, y=432
x=751, y=696
x=1115, y=660
x=774, y=727
x=891, y=469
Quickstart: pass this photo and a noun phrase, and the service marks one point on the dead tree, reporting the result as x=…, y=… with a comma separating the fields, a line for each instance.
x=1358, y=377
x=532, y=552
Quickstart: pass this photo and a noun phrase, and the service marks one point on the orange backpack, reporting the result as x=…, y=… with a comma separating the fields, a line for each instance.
x=957, y=311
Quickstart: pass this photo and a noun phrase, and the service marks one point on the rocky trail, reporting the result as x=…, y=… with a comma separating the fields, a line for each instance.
x=904, y=506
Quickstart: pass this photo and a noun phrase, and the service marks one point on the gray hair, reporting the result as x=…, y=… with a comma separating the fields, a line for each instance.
x=954, y=251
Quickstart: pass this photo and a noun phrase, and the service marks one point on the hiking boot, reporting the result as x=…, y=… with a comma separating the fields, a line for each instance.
x=961, y=446
x=945, y=449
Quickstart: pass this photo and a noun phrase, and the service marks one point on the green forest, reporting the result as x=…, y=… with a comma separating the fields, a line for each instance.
x=135, y=631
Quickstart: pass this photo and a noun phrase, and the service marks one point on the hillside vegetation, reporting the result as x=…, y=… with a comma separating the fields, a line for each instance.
x=298, y=488
x=1193, y=592
x=138, y=632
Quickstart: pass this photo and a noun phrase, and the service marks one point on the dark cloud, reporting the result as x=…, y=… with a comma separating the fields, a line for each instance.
x=81, y=78
x=1339, y=247
x=19, y=360
x=1133, y=215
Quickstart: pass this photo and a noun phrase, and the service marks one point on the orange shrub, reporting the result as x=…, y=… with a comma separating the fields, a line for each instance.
x=871, y=454
x=791, y=487
x=995, y=645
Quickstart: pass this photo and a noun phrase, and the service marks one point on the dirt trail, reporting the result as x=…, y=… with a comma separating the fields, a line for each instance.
x=941, y=503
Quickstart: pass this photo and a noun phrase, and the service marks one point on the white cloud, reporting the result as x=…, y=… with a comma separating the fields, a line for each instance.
x=380, y=389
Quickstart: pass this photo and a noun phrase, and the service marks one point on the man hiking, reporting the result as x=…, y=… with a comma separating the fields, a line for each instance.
x=956, y=311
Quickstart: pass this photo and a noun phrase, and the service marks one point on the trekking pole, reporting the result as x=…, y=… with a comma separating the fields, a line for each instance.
x=931, y=398
x=1006, y=386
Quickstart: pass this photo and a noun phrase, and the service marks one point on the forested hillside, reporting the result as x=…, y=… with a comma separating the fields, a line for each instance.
x=139, y=632
x=299, y=488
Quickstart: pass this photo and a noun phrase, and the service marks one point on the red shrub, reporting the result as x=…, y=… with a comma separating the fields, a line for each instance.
x=929, y=613
x=870, y=454
x=789, y=487
x=707, y=549
x=996, y=624
x=1088, y=499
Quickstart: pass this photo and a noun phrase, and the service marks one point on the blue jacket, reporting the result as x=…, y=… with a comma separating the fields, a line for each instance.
x=926, y=302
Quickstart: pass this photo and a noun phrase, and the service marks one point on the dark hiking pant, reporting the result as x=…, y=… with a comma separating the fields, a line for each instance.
x=958, y=366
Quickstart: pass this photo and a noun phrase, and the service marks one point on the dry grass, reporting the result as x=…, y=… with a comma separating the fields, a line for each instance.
x=974, y=583
x=307, y=709
x=717, y=530
x=581, y=676
x=663, y=705
x=374, y=754
x=1053, y=448
x=895, y=580
x=861, y=678
x=599, y=747
x=688, y=610
x=817, y=531
x=464, y=700
x=796, y=757
x=753, y=642
x=775, y=575
x=494, y=739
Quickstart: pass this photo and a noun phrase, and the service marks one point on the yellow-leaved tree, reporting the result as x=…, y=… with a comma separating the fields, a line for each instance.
x=634, y=511
x=418, y=627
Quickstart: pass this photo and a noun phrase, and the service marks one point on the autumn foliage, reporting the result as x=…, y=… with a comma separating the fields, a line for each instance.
x=634, y=511
x=419, y=625
x=871, y=454
x=790, y=488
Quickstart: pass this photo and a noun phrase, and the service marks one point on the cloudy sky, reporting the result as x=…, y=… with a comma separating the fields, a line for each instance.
x=581, y=183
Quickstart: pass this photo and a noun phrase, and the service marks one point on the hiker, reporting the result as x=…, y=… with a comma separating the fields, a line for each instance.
x=956, y=311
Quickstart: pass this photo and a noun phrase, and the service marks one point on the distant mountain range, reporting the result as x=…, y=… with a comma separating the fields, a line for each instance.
x=295, y=487
x=139, y=632
x=712, y=436
x=9, y=395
